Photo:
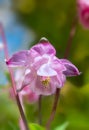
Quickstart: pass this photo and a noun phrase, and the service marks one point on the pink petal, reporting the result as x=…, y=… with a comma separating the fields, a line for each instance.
x=32, y=97
x=46, y=70
x=29, y=77
x=37, y=86
x=39, y=60
x=19, y=59
x=25, y=91
x=43, y=48
x=57, y=65
x=71, y=70
x=29, y=95
x=61, y=78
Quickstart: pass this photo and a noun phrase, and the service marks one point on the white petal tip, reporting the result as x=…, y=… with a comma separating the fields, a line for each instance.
x=43, y=40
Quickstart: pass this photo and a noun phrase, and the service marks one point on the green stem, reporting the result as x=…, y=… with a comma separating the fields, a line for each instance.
x=53, y=109
x=39, y=109
x=71, y=36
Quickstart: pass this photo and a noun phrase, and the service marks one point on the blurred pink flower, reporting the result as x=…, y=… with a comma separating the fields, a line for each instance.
x=26, y=93
x=44, y=72
x=83, y=12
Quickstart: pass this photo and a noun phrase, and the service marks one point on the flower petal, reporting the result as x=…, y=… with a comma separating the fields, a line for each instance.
x=43, y=48
x=71, y=70
x=19, y=59
x=29, y=77
x=32, y=97
x=46, y=70
x=29, y=95
x=57, y=65
x=39, y=60
x=61, y=78
x=37, y=86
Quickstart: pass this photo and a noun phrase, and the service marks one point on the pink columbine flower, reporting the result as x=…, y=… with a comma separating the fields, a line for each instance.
x=44, y=72
x=83, y=12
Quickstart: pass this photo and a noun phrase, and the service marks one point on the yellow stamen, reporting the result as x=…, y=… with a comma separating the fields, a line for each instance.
x=46, y=82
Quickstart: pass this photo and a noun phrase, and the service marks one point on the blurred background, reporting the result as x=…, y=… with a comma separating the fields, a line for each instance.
x=25, y=22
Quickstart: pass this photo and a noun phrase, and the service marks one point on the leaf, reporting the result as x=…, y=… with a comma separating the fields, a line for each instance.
x=8, y=76
x=62, y=127
x=34, y=126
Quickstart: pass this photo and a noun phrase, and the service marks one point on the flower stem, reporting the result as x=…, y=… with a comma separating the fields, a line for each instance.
x=69, y=43
x=18, y=100
x=53, y=109
x=22, y=112
x=12, y=79
x=71, y=36
x=39, y=108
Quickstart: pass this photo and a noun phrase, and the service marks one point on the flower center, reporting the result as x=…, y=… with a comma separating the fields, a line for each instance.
x=45, y=81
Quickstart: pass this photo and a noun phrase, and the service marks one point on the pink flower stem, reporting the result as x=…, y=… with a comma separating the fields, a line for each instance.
x=39, y=108
x=12, y=79
x=71, y=36
x=69, y=43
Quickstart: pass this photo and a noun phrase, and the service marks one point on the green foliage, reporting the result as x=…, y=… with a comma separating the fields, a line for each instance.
x=34, y=126
x=8, y=112
x=62, y=127
x=8, y=76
